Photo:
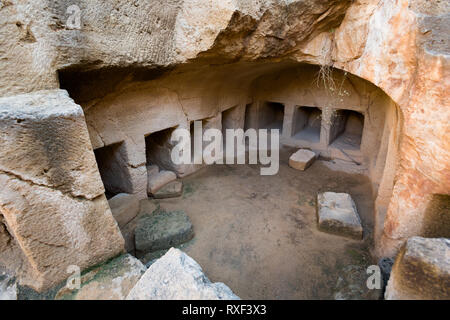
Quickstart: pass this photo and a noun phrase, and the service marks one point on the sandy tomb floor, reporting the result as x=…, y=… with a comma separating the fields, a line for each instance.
x=258, y=234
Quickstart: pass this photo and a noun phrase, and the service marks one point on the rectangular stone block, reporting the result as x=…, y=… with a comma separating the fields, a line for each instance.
x=52, y=198
x=302, y=159
x=337, y=214
x=421, y=271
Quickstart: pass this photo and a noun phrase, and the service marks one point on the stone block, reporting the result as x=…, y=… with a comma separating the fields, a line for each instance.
x=302, y=159
x=162, y=230
x=52, y=198
x=337, y=214
x=421, y=271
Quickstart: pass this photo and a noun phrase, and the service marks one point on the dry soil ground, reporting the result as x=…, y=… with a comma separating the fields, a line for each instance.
x=258, y=234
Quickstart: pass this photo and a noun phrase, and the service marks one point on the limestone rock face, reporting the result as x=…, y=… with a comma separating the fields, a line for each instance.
x=110, y=281
x=52, y=196
x=337, y=214
x=302, y=159
x=421, y=270
x=162, y=230
x=42, y=38
x=176, y=276
x=399, y=46
x=404, y=52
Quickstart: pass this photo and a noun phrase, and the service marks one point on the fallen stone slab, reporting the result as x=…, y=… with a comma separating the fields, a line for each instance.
x=337, y=214
x=176, y=276
x=158, y=180
x=162, y=230
x=124, y=207
x=110, y=281
x=421, y=271
x=171, y=190
x=302, y=159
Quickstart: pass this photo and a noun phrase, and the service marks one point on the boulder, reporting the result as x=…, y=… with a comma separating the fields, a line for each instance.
x=162, y=230
x=421, y=271
x=337, y=214
x=171, y=190
x=124, y=208
x=176, y=276
x=52, y=197
x=158, y=180
x=110, y=281
x=302, y=159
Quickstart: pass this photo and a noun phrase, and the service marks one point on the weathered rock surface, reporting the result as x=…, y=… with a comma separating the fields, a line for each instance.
x=124, y=208
x=52, y=197
x=399, y=46
x=421, y=270
x=162, y=230
x=171, y=190
x=44, y=141
x=176, y=276
x=110, y=281
x=158, y=180
x=302, y=159
x=337, y=214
